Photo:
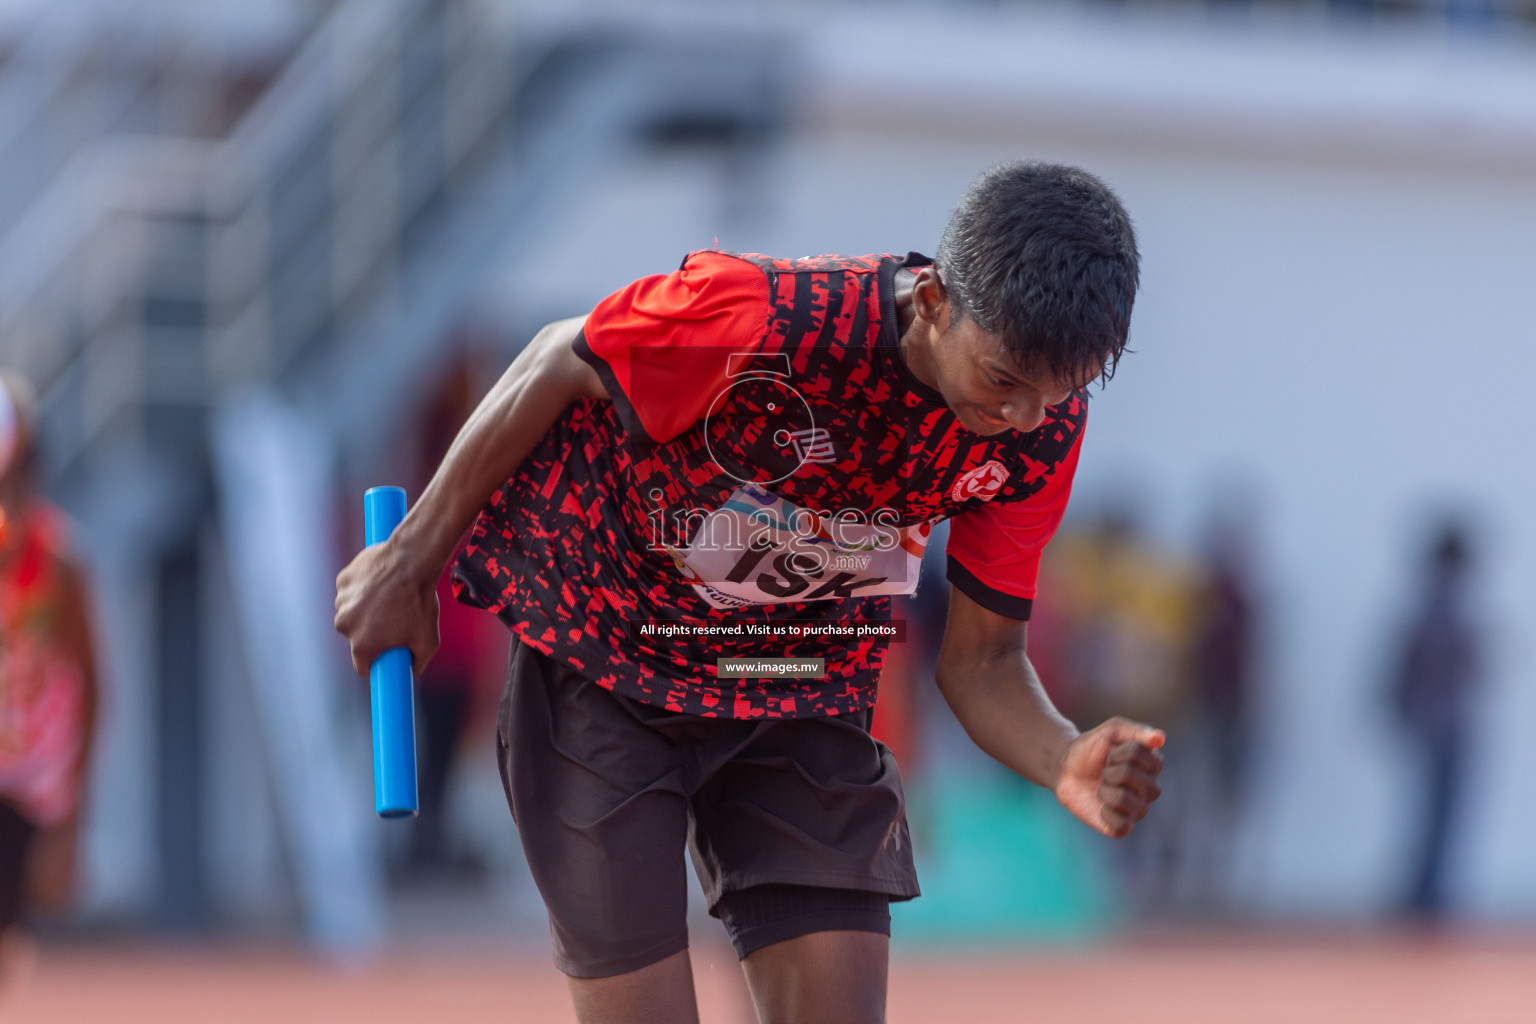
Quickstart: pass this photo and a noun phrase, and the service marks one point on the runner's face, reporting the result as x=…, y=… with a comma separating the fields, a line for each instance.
x=986, y=389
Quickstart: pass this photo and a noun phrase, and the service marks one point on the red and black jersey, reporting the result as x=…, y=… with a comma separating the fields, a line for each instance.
x=767, y=459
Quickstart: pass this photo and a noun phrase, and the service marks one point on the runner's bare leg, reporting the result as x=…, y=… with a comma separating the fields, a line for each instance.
x=821, y=978
x=661, y=992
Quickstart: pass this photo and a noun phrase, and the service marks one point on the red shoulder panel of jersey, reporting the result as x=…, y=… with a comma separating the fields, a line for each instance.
x=658, y=343
x=994, y=550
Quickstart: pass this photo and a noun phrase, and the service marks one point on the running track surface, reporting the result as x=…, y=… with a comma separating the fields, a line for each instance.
x=1190, y=980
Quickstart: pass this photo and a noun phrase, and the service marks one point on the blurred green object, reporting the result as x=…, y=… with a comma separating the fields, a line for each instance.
x=1000, y=860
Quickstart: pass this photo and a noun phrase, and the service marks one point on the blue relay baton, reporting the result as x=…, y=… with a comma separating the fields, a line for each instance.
x=389, y=684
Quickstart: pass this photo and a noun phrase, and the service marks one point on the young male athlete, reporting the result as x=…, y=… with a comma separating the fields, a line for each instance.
x=742, y=460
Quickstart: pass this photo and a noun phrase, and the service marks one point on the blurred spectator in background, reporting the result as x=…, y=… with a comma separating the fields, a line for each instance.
x=909, y=698
x=1115, y=623
x=47, y=687
x=461, y=684
x=1223, y=673
x=1125, y=612
x=1437, y=672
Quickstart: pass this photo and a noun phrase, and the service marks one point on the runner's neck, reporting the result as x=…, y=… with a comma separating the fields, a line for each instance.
x=914, y=342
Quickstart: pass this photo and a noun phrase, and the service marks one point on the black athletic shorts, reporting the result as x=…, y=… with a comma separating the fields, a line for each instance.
x=16, y=835
x=797, y=824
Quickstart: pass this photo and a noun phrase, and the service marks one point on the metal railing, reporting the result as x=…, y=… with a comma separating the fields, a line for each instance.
x=154, y=274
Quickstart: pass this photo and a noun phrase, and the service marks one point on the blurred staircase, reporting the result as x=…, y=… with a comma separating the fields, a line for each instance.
x=154, y=267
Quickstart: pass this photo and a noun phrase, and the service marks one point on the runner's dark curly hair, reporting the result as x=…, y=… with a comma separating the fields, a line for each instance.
x=1044, y=256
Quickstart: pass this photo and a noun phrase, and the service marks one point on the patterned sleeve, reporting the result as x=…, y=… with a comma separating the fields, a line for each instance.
x=661, y=345
x=994, y=550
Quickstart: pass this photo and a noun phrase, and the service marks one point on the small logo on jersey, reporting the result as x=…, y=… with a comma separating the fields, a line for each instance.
x=814, y=444
x=983, y=482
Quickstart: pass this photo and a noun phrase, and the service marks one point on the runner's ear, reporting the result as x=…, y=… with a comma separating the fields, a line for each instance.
x=930, y=299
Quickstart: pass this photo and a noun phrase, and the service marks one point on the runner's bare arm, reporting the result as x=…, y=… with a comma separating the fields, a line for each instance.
x=386, y=597
x=1107, y=776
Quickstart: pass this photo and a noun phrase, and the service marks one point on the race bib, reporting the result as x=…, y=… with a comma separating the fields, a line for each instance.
x=759, y=549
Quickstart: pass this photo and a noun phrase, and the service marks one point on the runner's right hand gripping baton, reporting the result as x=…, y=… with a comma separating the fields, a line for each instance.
x=389, y=684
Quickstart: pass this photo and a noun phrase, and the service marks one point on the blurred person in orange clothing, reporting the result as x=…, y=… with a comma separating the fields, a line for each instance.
x=48, y=686
x=1124, y=615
